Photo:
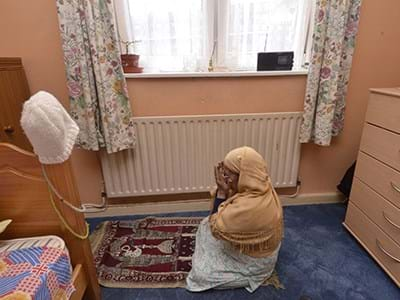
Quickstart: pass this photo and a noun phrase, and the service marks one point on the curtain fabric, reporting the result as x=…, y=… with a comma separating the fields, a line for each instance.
x=248, y=27
x=335, y=29
x=97, y=89
x=172, y=34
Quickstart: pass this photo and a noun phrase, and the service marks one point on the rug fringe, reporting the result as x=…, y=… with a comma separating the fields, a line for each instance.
x=274, y=281
x=96, y=236
x=130, y=285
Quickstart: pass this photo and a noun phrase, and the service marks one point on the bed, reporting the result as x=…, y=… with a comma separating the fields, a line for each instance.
x=36, y=228
x=37, y=268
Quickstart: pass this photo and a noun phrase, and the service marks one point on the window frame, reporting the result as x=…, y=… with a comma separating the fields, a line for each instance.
x=215, y=22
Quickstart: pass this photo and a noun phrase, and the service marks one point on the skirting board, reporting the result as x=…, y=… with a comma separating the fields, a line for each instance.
x=203, y=205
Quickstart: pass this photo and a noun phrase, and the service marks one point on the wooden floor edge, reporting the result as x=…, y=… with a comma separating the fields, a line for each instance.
x=372, y=254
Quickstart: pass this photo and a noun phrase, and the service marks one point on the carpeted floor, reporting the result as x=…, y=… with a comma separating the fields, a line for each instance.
x=318, y=259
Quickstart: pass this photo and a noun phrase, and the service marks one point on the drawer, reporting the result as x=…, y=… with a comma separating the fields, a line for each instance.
x=377, y=208
x=382, y=248
x=381, y=178
x=384, y=111
x=381, y=144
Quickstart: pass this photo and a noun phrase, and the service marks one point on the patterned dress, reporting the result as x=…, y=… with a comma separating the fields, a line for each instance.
x=216, y=264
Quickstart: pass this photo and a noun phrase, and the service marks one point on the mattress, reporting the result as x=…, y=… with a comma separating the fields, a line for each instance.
x=39, y=241
x=35, y=268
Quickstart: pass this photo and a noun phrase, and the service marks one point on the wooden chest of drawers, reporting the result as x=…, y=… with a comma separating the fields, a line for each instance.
x=373, y=214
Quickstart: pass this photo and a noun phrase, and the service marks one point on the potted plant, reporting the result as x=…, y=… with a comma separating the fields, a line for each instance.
x=130, y=62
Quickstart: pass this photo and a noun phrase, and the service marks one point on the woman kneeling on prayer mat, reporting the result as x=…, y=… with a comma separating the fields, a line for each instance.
x=238, y=244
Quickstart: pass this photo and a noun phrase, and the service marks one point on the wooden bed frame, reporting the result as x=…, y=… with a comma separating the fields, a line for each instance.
x=25, y=198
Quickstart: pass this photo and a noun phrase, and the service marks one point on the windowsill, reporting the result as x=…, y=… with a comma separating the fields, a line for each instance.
x=217, y=74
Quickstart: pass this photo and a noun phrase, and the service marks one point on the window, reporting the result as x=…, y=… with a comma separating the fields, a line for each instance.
x=182, y=35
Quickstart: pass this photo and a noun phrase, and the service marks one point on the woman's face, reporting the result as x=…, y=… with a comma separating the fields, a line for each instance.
x=232, y=180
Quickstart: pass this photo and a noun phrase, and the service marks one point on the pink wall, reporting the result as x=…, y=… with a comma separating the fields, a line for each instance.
x=29, y=29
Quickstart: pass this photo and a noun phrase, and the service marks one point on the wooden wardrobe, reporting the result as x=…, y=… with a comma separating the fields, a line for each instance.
x=14, y=91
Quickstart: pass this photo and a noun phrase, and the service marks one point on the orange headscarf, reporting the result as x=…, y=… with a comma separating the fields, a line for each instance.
x=252, y=219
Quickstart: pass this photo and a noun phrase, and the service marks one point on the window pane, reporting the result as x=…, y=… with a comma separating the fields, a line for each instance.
x=173, y=33
x=252, y=26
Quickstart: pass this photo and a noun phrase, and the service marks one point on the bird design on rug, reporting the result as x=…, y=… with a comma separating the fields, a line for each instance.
x=165, y=247
x=131, y=252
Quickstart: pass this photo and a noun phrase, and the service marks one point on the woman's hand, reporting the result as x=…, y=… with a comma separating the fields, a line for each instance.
x=222, y=185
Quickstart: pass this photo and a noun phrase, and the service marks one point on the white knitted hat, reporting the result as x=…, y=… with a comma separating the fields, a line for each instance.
x=49, y=128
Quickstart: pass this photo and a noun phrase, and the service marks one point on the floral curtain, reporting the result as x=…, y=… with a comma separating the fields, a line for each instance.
x=335, y=29
x=97, y=89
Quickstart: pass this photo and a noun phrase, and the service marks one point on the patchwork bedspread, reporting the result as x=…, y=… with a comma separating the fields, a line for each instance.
x=35, y=273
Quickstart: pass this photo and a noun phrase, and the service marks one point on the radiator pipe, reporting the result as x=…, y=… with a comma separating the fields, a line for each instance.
x=298, y=186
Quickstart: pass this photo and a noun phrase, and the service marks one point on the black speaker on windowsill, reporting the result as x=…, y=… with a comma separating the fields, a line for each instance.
x=275, y=61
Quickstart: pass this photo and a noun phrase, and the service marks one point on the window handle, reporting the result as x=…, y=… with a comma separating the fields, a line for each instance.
x=390, y=221
x=378, y=244
x=395, y=187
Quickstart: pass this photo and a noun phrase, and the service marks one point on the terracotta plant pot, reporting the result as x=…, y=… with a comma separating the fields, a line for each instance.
x=130, y=63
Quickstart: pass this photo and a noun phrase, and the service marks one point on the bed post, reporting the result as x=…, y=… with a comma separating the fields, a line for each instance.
x=62, y=178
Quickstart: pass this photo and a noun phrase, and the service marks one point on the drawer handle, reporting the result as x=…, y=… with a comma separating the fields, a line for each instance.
x=390, y=221
x=387, y=253
x=395, y=187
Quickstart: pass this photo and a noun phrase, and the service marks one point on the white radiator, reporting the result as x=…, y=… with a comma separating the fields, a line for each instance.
x=177, y=154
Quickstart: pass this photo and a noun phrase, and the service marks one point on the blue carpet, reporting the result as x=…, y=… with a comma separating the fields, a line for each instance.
x=318, y=259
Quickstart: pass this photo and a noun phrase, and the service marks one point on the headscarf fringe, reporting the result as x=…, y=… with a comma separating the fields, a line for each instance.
x=251, y=245
x=274, y=281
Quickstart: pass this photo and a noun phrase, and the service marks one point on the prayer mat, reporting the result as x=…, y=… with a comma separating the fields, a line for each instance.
x=146, y=253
